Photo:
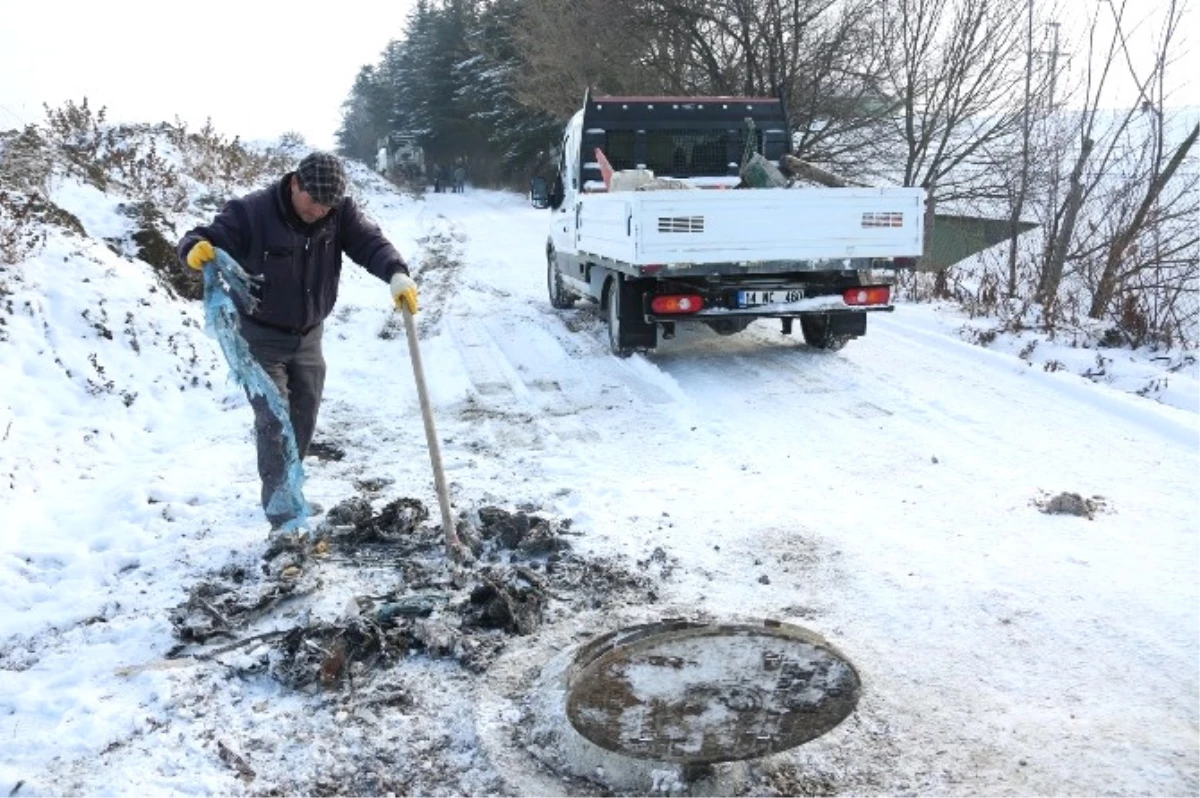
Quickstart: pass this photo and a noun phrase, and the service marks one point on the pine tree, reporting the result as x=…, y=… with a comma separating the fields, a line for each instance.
x=363, y=118
x=519, y=138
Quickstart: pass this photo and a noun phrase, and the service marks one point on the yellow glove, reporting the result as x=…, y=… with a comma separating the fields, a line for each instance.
x=201, y=253
x=404, y=292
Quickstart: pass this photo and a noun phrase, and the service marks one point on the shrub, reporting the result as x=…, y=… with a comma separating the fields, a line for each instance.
x=25, y=161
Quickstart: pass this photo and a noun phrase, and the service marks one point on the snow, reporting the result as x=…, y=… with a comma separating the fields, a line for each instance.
x=886, y=497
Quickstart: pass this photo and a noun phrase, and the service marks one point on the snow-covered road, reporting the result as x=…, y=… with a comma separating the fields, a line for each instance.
x=887, y=497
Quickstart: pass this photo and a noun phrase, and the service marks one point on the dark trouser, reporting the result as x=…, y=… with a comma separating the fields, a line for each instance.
x=295, y=364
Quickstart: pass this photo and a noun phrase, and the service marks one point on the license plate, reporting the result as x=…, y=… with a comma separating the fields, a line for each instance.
x=748, y=299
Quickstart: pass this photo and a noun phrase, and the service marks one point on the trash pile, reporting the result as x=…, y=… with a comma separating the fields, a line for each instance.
x=524, y=564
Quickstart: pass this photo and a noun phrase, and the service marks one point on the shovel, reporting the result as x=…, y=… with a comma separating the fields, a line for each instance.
x=454, y=547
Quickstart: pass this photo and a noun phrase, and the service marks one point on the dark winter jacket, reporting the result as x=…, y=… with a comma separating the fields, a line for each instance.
x=300, y=262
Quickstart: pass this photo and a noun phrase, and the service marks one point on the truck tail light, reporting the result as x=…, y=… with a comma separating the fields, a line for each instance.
x=666, y=304
x=867, y=295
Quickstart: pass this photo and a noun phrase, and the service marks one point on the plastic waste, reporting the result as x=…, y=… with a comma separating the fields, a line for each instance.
x=225, y=280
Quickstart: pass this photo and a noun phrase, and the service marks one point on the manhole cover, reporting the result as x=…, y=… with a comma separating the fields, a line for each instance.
x=677, y=691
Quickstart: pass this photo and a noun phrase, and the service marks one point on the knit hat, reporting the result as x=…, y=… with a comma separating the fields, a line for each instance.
x=322, y=176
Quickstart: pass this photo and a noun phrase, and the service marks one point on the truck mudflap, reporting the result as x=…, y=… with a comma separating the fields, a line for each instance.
x=843, y=323
x=629, y=328
x=832, y=331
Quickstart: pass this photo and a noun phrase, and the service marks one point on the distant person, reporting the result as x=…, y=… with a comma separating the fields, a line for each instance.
x=460, y=178
x=293, y=233
x=438, y=178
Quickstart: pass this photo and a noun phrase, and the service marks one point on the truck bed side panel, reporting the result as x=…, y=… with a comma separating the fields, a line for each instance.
x=715, y=226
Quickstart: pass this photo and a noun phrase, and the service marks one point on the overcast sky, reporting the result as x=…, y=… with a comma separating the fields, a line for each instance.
x=259, y=68
x=1143, y=26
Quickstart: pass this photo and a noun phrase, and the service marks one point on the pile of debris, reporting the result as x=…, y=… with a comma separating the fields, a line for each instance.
x=524, y=561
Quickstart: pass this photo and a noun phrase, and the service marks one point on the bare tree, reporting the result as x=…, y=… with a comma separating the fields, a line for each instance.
x=1126, y=228
x=956, y=73
x=838, y=101
x=1079, y=189
x=572, y=46
x=1159, y=174
x=1022, y=189
x=807, y=52
x=1064, y=230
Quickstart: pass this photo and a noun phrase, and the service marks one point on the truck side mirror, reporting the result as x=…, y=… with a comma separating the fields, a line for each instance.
x=538, y=197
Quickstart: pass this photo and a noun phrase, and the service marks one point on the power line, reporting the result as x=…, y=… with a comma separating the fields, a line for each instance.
x=13, y=114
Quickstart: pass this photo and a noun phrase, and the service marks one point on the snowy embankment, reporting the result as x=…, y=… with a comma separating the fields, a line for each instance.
x=888, y=497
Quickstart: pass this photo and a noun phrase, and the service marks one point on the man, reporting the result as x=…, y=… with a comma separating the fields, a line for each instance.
x=293, y=234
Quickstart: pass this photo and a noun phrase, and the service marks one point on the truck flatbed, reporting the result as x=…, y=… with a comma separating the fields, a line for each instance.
x=686, y=230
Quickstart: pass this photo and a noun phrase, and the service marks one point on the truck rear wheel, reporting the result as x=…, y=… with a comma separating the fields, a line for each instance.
x=818, y=334
x=628, y=330
x=728, y=326
x=559, y=296
x=614, y=319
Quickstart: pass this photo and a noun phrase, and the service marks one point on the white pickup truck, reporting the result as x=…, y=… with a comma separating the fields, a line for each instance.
x=651, y=218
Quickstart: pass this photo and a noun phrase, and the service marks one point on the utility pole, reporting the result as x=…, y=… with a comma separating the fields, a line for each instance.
x=1056, y=155
x=1018, y=207
x=1054, y=62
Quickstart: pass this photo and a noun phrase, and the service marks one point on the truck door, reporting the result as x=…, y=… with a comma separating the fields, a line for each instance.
x=562, y=228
